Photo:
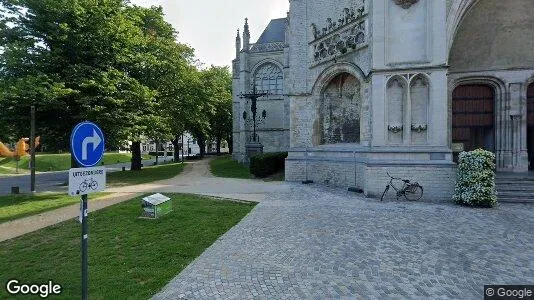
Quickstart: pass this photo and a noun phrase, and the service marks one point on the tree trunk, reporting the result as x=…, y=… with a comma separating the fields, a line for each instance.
x=202, y=146
x=230, y=141
x=218, y=139
x=176, y=145
x=73, y=163
x=136, y=156
x=157, y=151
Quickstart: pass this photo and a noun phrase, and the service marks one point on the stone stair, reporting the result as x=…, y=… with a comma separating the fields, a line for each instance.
x=515, y=188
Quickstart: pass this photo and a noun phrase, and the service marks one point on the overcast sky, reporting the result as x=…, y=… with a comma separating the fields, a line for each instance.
x=210, y=26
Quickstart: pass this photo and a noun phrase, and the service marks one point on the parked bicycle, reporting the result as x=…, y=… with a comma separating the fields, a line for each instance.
x=412, y=191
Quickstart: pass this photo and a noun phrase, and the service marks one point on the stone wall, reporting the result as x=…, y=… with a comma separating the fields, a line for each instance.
x=273, y=130
x=493, y=35
x=438, y=179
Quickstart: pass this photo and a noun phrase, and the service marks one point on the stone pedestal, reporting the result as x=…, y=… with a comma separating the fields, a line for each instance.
x=253, y=148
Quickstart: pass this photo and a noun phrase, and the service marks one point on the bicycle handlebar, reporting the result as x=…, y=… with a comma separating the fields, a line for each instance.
x=392, y=176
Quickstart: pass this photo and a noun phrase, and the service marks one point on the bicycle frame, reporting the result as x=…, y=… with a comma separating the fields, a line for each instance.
x=399, y=191
x=404, y=183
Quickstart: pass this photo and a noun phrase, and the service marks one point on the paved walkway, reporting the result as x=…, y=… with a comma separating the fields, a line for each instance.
x=310, y=242
x=305, y=242
x=195, y=179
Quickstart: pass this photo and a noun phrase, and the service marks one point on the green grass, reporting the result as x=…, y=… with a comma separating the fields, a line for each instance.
x=57, y=162
x=129, y=258
x=18, y=206
x=147, y=174
x=225, y=166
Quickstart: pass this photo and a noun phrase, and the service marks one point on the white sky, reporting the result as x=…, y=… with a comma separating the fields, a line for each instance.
x=210, y=26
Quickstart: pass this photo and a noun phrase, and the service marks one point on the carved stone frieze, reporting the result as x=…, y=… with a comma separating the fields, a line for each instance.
x=405, y=3
x=349, y=16
x=340, y=43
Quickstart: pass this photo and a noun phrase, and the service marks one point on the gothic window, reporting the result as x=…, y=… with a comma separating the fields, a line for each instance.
x=396, y=98
x=269, y=78
x=420, y=95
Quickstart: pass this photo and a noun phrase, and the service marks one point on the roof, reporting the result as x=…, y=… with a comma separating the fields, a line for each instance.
x=156, y=199
x=275, y=32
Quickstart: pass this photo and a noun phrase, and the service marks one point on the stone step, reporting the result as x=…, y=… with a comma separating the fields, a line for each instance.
x=514, y=181
x=511, y=200
x=515, y=197
x=515, y=187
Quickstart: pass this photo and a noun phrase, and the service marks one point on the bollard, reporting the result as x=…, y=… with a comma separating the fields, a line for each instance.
x=15, y=190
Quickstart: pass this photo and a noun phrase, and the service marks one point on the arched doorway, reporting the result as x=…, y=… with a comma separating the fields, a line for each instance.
x=530, y=125
x=473, y=117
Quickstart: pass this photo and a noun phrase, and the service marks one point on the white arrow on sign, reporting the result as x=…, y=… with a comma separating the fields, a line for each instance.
x=95, y=140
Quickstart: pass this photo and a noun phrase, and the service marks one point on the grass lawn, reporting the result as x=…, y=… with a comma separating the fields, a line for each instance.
x=147, y=174
x=225, y=166
x=57, y=162
x=17, y=206
x=129, y=258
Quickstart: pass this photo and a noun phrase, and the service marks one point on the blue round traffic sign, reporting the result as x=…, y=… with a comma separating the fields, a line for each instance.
x=87, y=144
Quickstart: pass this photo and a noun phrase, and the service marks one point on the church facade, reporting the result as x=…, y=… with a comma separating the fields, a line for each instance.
x=361, y=88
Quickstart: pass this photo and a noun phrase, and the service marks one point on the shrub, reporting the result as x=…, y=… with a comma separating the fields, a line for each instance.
x=476, y=179
x=263, y=165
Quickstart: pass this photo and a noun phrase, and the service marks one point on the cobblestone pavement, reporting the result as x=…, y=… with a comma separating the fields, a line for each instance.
x=310, y=242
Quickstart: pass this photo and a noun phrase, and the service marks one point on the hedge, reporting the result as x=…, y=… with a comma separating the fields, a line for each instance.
x=475, y=185
x=263, y=165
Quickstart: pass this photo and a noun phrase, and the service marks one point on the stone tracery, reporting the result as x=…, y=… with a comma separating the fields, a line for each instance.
x=346, y=35
x=269, y=78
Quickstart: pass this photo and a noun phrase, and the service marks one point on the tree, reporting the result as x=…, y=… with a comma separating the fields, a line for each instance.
x=113, y=63
x=218, y=85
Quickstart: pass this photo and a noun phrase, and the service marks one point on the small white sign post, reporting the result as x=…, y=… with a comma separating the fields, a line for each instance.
x=84, y=181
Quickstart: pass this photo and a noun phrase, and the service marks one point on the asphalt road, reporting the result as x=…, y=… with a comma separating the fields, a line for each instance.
x=54, y=181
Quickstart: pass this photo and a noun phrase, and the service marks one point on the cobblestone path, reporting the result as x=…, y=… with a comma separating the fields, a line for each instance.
x=311, y=242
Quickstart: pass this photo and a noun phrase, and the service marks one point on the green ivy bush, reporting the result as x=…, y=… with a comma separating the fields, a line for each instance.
x=475, y=185
x=263, y=165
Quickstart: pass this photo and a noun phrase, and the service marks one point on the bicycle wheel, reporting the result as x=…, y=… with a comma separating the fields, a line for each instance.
x=94, y=185
x=83, y=186
x=413, y=192
x=384, y=193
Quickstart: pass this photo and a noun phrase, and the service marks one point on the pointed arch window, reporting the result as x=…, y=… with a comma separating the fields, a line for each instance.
x=269, y=78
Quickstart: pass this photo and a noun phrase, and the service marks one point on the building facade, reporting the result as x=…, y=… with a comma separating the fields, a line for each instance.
x=262, y=65
x=400, y=86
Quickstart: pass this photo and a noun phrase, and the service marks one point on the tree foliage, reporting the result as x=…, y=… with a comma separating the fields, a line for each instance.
x=110, y=62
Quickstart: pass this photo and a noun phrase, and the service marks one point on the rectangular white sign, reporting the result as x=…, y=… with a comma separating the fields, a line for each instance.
x=83, y=181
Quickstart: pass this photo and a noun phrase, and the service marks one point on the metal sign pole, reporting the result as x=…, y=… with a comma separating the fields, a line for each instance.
x=85, y=229
x=87, y=148
x=32, y=149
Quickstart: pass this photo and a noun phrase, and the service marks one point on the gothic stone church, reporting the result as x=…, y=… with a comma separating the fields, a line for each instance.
x=357, y=88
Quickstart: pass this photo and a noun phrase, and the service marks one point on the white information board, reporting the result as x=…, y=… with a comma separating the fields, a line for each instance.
x=83, y=181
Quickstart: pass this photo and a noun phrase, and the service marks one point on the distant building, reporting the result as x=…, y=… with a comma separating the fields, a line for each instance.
x=190, y=147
